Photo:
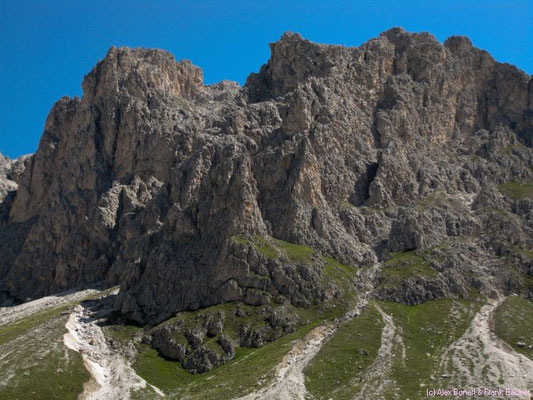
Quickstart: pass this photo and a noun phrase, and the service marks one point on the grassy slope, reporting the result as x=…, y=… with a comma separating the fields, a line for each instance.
x=58, y=375
x=517, y=190
x=514, y=319
x=406, y=264
x=427, y=330
x=43, y=368
x=13, y=330
x=333, y=372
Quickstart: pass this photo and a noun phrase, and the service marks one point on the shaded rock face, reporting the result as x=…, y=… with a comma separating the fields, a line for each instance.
x=10, y=173
x=399, y=144
x=11, y=236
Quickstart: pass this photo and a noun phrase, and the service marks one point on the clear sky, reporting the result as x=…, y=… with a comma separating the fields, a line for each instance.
x=46, y=47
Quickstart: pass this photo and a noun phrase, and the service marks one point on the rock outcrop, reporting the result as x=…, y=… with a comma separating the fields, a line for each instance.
x=401, y=144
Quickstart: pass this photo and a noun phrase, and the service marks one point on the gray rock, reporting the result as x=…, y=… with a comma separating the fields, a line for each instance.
x=214, y=324
x=164, y=342
x=400, y=144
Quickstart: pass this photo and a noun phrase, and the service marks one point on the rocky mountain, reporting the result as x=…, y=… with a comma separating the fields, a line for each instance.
x=267, y=227
x=169, y=187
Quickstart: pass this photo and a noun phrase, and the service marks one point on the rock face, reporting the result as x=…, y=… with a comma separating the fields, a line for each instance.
x=10, y=172
x=402, y=144
x=186, y=340
x=12, y=236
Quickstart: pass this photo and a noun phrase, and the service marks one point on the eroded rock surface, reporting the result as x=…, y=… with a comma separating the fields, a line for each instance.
x=401, y=144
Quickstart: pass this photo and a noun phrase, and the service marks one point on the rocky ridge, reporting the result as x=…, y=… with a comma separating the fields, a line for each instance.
x=402, y=149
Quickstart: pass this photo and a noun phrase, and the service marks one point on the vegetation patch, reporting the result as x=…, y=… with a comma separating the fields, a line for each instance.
x=297, y=253
x=60, y=374
x=274, y=248
x=437, y=200
x=338, y=273
x=427, y=330
x=404, y=265
x=36, y=364
x=517, y=190
x=513, y=322
x=337, y=368
x=524, y=252
x=526, y=280
x=262, y=245
x=13, y=330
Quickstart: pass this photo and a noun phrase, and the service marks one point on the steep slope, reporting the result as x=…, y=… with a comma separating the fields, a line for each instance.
x=171, y=188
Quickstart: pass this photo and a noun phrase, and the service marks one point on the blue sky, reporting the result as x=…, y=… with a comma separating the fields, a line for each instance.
x=46, y=47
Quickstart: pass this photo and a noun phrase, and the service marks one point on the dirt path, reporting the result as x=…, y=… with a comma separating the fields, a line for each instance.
x=377, y=379
x=289, y=379
x=15, y=313
x=112, y=377
x=479, y=358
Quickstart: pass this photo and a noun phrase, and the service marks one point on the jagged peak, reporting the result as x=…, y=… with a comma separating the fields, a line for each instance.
x=458, y=44
x=395, y=30
x=291, y=36
x=124, y=68
x=403, y=39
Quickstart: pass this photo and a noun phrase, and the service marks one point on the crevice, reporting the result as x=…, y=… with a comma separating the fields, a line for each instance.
x=362, y=185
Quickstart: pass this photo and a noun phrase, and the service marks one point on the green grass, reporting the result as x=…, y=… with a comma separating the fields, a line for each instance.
x=514, y=319
x=249, y=366
x=43, y=368
x=166, y=375
x=335, y=370
x=347, y=205
x=370, y=210
x=407, y=264
x=438, y=200
x=427, y=329
x=123, y=334
x=235, y=378
x=274, y=248
x=527, y=280
x=53, y=377
x=340, y=274
x=261, y=244
x=525, y=252
x=517, y=190
x=13, y=330
x=251, y=317
x=297, y=253
x=241, y=240
x=265, y=247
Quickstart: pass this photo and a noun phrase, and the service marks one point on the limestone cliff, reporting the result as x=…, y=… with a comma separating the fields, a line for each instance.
x=159, y=183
